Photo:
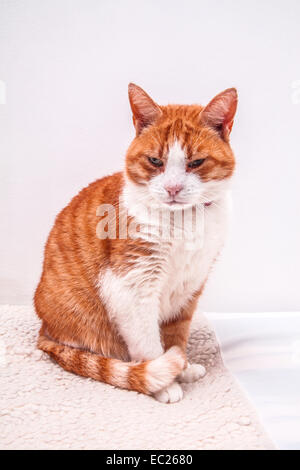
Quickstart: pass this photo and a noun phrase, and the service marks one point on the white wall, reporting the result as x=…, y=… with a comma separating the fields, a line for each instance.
x=66, y=65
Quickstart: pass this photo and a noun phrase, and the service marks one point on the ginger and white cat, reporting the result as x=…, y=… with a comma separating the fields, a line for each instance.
x=118, y=308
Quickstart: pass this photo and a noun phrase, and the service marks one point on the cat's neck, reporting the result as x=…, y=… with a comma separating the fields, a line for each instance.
x=144, y=210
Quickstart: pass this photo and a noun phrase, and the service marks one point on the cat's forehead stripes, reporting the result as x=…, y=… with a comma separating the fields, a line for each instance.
x=180, y=131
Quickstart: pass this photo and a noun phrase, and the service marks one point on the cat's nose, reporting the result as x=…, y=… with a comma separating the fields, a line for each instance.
x=173, y=189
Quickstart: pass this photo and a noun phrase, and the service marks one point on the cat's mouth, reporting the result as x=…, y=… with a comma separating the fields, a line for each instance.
x=180, y=203
x=174, y=203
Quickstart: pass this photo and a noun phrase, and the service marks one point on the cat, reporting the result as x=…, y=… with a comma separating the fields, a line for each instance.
x=118, y=309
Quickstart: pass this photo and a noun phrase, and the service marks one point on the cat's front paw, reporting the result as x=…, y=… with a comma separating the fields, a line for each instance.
x=170, y=394
x=192, y=373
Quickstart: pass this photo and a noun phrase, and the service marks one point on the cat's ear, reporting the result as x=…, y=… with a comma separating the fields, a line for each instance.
x=145, y=111
x=220, y=111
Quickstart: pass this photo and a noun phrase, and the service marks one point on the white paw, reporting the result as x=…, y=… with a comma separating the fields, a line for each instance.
x=192, y=373
x=170, y=394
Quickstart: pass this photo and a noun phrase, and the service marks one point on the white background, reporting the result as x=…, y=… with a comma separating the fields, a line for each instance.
x=66, y=122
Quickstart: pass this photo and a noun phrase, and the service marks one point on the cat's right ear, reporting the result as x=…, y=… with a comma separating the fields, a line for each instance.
x=145, y=111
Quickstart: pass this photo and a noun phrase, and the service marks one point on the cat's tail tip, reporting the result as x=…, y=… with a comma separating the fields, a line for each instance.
x=162, y=371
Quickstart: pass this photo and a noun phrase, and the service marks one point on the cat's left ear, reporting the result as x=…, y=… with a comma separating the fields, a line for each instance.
x=220, y=111
x=145, y=111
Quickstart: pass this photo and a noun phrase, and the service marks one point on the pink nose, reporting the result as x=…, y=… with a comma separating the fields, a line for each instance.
x=173, y=189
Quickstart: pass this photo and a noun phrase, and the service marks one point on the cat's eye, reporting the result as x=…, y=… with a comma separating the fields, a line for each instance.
x=155, y=161
x=196, y=163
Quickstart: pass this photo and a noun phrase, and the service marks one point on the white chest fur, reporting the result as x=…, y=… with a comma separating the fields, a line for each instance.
x=156, y=287
x=189, y=261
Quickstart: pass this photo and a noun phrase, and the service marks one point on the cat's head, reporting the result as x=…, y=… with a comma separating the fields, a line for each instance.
x=181, y=154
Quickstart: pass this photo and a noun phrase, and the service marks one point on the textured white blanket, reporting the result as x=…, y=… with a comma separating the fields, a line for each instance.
x=44, y=407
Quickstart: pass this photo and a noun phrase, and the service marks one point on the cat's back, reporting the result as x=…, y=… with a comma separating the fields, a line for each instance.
x=80, y=215
x=102, y=191
x=73, y=247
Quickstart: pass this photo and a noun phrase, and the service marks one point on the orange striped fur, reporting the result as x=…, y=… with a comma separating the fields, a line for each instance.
x=78, y=329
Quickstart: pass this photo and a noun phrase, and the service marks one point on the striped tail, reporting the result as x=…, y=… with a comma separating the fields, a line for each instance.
x=145, y=377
